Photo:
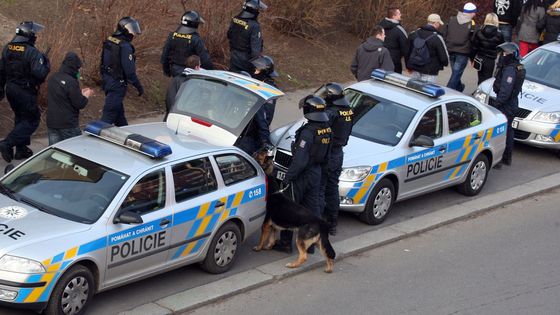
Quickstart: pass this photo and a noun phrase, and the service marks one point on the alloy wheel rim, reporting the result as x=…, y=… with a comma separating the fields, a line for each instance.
x=478, y=175
x=75, y=295
x=382, y=203
x=226, y=248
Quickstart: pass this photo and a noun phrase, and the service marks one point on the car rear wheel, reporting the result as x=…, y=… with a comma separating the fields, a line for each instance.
x=72, y=293
x=476, y=178
x=223, y=249
x=379, y=203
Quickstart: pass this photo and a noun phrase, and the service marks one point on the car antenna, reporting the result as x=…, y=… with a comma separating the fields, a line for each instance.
x=177, y=128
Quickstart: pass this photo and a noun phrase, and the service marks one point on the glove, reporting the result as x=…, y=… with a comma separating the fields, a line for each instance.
x=140, y=89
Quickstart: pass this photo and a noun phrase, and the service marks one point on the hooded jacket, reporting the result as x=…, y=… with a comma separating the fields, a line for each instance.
x=65, y=99
x=396, y=39
x=371, y=55
x=486, y=40
x=552, y=27
x=436, y=46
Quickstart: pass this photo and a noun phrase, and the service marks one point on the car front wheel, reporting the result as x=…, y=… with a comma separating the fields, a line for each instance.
x=476, y=178
x=379, y=203
x=73, y=292
x=223, y=249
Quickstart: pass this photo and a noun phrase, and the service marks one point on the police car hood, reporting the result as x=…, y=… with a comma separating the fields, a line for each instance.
x=534, y=96
x=22, y=225
x=218, y=105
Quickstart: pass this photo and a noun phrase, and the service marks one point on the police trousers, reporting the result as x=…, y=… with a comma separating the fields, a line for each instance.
x=27, y=116
x=113, y=110
x=332, y=198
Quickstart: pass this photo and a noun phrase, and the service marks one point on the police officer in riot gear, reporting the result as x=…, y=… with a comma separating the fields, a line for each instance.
x=340, y=118
x=245, y=38
x=510, y=75
x=310, y=152
x=182, y=43
x=22, y=70
x=257, y=133
x=118, y=69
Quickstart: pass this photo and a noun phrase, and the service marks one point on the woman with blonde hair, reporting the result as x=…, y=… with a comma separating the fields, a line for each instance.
x=552, y=26
x=485, y=47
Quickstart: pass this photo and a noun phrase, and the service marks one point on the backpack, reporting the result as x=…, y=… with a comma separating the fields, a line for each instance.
x=420, y=54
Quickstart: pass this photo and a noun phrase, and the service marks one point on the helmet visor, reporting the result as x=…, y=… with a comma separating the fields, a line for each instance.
x=262, y=5
x=321, y=91
x=133, y=27
x=341, y=102
x=317, y=116
x=36, y=27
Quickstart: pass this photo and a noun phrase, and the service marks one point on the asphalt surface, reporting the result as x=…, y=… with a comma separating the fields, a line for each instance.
x=528, y=164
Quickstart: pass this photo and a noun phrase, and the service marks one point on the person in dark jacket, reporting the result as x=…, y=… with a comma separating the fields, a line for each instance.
x=436, y=47
x=552, y=26
x=508, y=12
x=118, y=69
x=65, y=100
x=182, y=43
x=371, y=55
x=193, y=64
x=457, y=34
x=485, y=46
x=510, y=76
x=245, y=38
x=23, y=69
x=530, y=25
x=396, y=38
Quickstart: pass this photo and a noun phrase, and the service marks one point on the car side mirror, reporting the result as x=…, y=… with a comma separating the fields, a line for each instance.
x=422, y=141
x=128, y=217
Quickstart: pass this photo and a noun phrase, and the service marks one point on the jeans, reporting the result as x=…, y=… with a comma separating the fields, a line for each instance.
x=57, y=135
x=458, y=65
x=424, y=77
x=506, y=31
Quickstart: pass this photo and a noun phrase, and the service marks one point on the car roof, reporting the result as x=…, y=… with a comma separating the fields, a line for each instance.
x=132, y=162
x=553, y=46
x=403, y=95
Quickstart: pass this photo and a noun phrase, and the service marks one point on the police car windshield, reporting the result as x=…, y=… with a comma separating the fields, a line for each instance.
x=543, y=66
x=65, y=185
x=377, y=119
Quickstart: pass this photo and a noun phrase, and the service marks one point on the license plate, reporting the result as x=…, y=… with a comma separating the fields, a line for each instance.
x=514, y=124
x=280, y=175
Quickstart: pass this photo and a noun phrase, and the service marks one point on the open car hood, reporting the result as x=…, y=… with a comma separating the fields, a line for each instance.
x=218, y=105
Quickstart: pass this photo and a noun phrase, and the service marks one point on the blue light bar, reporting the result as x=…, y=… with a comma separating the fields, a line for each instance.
x=132, y=141
x=429, y=89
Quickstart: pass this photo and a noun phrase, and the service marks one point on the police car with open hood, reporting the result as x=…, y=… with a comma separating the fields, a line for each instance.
x=537, y=121
x=408, y=138
x=121, y=204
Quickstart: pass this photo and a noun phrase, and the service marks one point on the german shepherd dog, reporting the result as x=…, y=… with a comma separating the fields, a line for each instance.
x=282, y=213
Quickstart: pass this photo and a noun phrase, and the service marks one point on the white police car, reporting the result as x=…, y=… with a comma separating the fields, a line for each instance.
x=408, y=138
x=537, y=122
x=86, y=215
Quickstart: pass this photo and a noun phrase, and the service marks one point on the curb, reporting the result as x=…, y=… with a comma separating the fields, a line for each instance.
x=262, y=275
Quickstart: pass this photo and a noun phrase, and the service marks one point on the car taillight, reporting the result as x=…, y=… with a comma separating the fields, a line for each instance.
x=201, y=122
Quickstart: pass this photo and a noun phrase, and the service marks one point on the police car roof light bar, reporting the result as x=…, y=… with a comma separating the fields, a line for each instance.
x=429, y=89
x=135, y=142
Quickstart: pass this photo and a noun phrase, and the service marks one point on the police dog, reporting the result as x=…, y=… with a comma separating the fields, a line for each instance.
x=282, y=213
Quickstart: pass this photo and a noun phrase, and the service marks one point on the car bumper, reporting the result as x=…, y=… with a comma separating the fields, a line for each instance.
x=21, y=286
x=538, y=134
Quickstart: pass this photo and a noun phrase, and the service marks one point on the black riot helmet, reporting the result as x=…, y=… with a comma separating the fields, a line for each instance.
x=29, y=30
x=510, y=48
x=314, y=108
x=128, y=26
x=265, y=65
x=192, y=19
x=251, y=8
x=333, y=94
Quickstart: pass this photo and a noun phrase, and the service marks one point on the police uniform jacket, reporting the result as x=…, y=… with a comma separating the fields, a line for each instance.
x=510, y=76
x=340, y=120
x=438, y=51
x=180, y=45
x=23, y=65
x=486, y=40
x=259, y=127
x=396, y=39
x=371, y=55
x=245, y=41
x=118, y=64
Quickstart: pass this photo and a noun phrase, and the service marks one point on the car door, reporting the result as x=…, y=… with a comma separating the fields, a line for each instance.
x=136, y=249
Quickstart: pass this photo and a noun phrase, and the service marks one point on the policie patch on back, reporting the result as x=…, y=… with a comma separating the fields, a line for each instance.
x=509, y=80
x=302, y=144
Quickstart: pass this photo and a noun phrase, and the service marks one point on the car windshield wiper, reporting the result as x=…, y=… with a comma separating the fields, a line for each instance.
x=8, y=192
x=35, y=205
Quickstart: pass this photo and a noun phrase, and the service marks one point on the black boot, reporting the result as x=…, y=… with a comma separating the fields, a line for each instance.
x=7, y=151
x=311, y=249
x=284, y=244
x=23, y=152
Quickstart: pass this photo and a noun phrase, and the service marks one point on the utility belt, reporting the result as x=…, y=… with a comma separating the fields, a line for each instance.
x=24, y=85
x=114, y=74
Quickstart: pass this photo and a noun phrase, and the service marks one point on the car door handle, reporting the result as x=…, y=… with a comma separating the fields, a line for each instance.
x=164, y=222
x=442, y=149
x=219, y=204
x=476, y=137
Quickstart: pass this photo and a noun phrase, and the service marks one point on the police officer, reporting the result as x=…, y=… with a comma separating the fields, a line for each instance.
x=182, y=43
x=245, y=39
x=510, y=75
x=118, y=69
x=257, y=133
x=310, y=152
x=22, y=70
x=340, y=119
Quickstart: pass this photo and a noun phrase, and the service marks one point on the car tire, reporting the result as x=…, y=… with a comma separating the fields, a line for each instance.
x=73, y=292
x=223, y=249
x=379, y=203
x=477, y=176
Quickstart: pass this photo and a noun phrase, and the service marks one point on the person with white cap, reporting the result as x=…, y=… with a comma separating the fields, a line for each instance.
x=427, y=53
x=457, y=34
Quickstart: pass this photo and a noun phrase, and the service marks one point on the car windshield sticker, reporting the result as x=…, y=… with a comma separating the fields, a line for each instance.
x=13, y=212
x=399, y=134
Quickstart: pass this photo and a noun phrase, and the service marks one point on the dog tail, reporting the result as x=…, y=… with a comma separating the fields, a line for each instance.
x=324, y=231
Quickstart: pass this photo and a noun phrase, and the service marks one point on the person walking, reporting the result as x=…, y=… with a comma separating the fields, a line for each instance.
x=65, y=100
x=508, y=12
x=427, y=54
x=457, y=34
x=118, y=69
x=371, y=55
x=485, y=46
x=23, y=69
x=531, y=23
x=182, y=43
x=510, y=76
x=245, y=38
x=396, y=38
x=552, y=25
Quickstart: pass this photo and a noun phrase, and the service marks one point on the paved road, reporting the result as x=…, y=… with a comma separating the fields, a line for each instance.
x=529, y=164
x=503, y=262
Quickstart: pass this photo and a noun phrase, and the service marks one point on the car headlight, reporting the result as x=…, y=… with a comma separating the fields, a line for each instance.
x=21, y=265
x=354, y=174
x=552, y=117
x=480, y=96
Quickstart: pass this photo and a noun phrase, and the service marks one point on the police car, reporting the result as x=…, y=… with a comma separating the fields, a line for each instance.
x=537, y=122
x=408, y=138
x=118, y=205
